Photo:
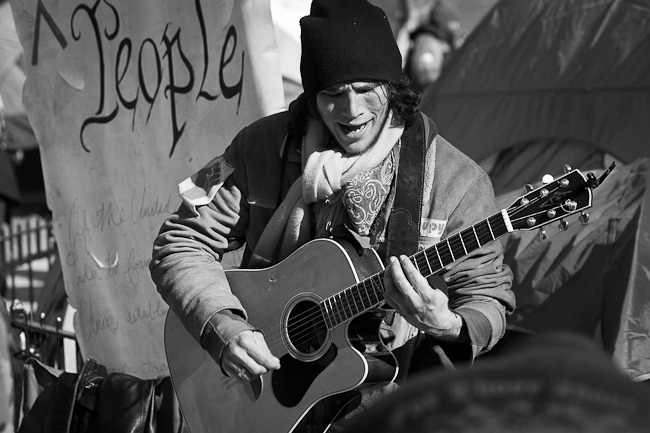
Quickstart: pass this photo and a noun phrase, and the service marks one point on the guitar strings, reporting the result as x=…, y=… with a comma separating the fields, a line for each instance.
x=304, y=322
x=419, y=260
x=348, y=295
x=313, y=313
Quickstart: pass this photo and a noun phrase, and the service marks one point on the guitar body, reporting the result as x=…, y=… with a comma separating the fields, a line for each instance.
x=316, y=362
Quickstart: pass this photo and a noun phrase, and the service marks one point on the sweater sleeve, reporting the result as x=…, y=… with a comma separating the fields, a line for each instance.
x=226, y=205
x=479, y=285
x=186, y=258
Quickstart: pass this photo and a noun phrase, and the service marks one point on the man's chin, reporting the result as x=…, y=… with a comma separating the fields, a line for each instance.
x=356, y=148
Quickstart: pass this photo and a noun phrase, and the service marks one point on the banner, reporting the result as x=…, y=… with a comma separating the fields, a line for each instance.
x=128, y=98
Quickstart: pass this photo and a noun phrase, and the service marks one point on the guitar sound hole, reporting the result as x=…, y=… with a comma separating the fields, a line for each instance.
x=306, y=328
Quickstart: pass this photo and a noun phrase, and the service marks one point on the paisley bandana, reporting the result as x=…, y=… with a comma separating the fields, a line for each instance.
x=365, y=193
x=327, y=175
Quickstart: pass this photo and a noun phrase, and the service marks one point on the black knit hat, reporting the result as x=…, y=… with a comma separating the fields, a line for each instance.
x=347, y=40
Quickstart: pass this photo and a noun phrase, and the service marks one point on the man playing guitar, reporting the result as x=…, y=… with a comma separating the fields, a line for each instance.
x=352, y=160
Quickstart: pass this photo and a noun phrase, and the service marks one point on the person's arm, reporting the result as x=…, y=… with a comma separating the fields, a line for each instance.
x=186, y=257
x=186, y=269
x=466, y=314
x=479, y=285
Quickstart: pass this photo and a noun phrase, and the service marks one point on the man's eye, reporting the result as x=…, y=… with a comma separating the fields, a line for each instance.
x=366, y=89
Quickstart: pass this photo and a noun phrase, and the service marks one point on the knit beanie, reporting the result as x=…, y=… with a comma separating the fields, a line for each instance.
x=347, y=40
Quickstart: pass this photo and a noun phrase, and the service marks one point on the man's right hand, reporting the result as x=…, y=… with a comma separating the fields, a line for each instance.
x=247, y=356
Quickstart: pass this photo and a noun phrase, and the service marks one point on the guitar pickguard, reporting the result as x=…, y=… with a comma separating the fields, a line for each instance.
x=293, y=380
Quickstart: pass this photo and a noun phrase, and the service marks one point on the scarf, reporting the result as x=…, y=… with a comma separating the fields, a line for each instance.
x=325, y=173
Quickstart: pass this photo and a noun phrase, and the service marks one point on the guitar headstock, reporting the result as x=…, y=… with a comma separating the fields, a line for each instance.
x=554, y=200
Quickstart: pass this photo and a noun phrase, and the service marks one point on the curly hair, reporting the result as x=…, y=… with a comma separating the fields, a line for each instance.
x=402, y=99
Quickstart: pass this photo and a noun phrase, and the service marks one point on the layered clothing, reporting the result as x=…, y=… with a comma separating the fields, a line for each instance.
x=258, y=184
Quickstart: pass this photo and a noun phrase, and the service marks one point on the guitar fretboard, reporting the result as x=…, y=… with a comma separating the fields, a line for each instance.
x=369, y=293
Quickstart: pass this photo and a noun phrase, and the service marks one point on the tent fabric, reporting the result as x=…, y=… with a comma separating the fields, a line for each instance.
x=543, y=83
x=591, y=279
x=549, y=69
x=8, y=184
x=21, y=177
x=18, y=134
x=11, y=75
x=529, y=162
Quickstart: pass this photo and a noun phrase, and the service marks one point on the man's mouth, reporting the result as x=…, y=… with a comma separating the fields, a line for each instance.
x=352, y=129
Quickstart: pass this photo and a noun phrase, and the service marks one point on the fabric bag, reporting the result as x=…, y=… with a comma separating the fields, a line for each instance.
x=54, y=401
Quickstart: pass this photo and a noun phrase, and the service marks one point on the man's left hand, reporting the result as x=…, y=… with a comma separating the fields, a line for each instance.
x=423, y=306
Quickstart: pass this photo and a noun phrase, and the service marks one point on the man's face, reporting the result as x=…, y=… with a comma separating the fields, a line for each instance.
x=354, y=113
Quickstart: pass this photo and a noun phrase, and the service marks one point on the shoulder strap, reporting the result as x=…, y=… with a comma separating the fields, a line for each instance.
x=406, y=214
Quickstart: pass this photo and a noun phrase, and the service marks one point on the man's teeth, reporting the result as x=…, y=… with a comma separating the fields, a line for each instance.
x=353, y=128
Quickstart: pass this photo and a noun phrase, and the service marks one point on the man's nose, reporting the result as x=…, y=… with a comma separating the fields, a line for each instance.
x=353, y=107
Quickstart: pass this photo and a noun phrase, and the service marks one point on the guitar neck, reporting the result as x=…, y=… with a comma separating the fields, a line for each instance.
x=369, y=293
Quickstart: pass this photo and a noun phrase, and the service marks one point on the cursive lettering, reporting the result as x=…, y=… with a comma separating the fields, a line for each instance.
x=96, y=322
x=151, y=312
x=138, y=66
x=144, y=207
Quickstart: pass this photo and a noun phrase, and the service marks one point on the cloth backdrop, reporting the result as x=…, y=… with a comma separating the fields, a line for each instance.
x=127, y=99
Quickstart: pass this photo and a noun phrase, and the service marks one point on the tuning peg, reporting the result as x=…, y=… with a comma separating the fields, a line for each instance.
x=571, y=205
x=547, y=178
x=567, y=168
x=542, y=233
x=528, y=187
x=563, y=225
x=584, y=217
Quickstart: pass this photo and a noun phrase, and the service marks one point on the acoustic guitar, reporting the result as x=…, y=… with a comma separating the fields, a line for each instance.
x=320, y=311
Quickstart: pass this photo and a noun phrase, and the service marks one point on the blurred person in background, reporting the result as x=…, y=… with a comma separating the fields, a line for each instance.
x=432, y=41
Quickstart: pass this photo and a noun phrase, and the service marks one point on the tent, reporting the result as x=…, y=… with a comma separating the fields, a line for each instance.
x=21, y=179
x=540, y=84
x=9, y=95
x=549, y=75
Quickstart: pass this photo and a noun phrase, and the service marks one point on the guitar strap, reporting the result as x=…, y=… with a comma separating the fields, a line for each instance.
x=406, y=215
